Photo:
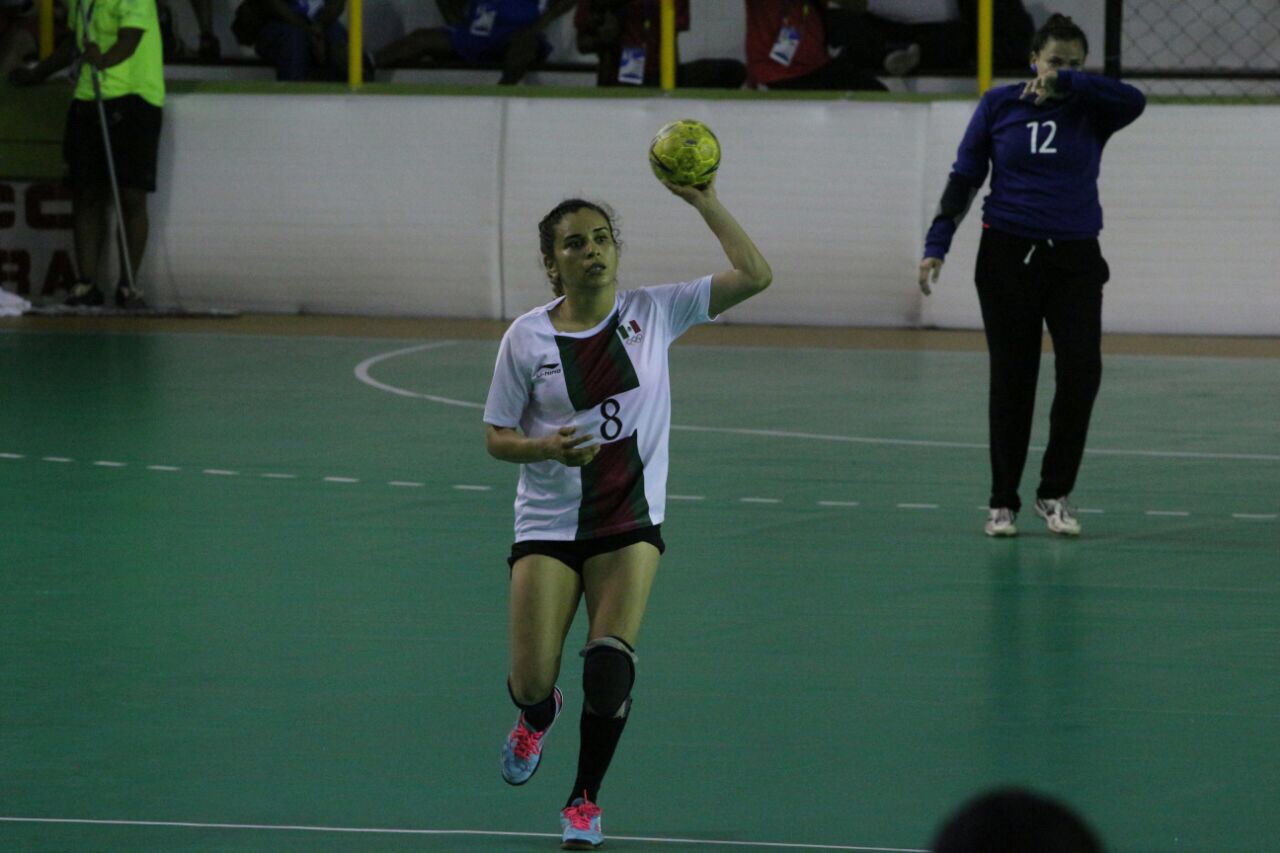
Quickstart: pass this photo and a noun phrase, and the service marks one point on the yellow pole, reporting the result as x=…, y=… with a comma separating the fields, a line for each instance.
x=985, y=26
x=668, y=52
x=46, y=28
x=355, y=44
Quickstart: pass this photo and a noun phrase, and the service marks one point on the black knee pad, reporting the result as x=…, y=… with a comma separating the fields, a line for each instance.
x=608, y=672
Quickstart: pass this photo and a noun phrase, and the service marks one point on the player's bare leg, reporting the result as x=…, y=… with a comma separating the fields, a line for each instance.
x=544, y=597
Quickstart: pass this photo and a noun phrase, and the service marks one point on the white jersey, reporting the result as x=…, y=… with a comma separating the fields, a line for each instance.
x=610, y=381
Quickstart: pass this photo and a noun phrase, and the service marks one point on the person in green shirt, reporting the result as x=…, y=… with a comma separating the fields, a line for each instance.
x=120, y=40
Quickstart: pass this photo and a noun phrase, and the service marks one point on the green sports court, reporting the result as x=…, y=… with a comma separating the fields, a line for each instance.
x=252, y=588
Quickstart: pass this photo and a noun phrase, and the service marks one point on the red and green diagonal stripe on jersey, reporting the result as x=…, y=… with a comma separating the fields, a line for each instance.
x=596, y=368
x=613, y=498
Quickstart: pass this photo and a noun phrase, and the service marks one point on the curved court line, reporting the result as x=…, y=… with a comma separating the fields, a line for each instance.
x=362, y=373
x=463, y=832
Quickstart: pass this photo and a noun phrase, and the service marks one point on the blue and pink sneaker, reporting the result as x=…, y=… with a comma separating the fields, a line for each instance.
x=523, y=749
x=580, y=826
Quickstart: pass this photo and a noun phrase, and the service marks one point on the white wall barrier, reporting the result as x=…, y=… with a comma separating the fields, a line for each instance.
x=429, y=206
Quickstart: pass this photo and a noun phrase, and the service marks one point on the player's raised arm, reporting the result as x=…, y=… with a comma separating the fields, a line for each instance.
x=750, y=273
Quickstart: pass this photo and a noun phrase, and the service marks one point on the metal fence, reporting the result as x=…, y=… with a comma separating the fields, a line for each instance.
x=1196, y=48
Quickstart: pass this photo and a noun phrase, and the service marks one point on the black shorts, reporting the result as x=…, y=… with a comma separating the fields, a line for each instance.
x=135, y=143
x=575, y=552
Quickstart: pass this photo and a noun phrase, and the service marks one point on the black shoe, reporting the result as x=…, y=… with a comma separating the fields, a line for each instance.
x=128, y=297
x=84, y=294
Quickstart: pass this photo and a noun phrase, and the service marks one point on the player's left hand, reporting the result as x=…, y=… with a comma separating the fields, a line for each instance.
x=694, y=195
x=1042, y=87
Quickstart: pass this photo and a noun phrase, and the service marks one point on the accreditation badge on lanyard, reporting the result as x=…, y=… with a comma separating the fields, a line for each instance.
x=784, y=49
x=631, y=66
x=483, y=19
x=631, y=62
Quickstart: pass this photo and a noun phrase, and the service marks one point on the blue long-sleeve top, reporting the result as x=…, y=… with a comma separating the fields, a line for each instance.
x=1044, y=160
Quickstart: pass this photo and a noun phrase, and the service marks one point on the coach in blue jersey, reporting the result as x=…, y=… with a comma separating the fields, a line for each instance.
x=1039, y=262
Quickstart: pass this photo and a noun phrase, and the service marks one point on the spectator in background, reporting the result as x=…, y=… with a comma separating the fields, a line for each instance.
x=1012, y=31
x=122, y=42
x=510, y=31
x=209, y=49
x=626, y=37
x=787, y=49
x=20, y=32
x=303, y=39
x=894, y=36
x=1013, y=820
x=897, y=36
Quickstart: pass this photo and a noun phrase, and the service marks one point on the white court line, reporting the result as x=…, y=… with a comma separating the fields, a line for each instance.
x=362, y=374
x=457, y=832
x=104, y=463
x=818, y=436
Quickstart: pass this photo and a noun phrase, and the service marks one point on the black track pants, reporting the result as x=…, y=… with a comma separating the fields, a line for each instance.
x=1023, y=285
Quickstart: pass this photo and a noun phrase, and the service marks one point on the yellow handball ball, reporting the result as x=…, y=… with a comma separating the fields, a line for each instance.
x=685, y=153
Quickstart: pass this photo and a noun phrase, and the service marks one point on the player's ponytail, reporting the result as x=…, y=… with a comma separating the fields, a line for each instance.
x=547, y=233
x=1061, y=28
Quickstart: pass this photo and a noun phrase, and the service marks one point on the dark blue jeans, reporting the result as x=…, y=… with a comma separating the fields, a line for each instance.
x=289, y=50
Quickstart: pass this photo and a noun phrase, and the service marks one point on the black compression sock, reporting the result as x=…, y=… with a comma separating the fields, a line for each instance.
x=539, y=715
x=600, y=736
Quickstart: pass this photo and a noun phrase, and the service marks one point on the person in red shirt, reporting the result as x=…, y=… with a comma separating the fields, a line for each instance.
x=626, y=36
x=787, y=49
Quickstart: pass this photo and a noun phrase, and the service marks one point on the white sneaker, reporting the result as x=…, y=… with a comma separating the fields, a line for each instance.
x=1000, y=522
x=1057, y=516
x=902, y=61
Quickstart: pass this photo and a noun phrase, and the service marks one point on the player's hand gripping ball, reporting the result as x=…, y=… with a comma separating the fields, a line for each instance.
x=685, y=153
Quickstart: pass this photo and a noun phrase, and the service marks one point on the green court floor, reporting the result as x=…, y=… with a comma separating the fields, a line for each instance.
x=252, y=593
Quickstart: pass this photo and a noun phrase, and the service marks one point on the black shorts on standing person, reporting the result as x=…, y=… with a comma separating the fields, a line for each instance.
x=1039, y=263
x=134, y=130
